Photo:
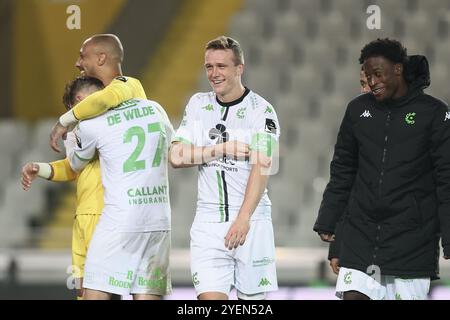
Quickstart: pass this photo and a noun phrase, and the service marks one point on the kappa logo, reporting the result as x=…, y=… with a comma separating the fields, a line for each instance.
x=447, y=116
x=208, y=107
x=264, y=282
x=366, y=114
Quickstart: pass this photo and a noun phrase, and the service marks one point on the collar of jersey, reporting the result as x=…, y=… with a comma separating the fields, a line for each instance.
x=234, y=102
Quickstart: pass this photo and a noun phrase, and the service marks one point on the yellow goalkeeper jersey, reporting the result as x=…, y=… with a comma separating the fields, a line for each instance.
x=90, y=189
x=89, y=183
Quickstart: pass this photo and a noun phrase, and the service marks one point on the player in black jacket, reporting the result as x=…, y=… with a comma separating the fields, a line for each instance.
x=389, y=181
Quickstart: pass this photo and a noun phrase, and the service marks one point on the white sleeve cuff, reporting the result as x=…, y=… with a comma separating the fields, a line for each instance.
x=45, y=170
x=68, y=119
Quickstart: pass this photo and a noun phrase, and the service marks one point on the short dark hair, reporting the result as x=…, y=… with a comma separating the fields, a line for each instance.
x=77, y=84
x=390, y=49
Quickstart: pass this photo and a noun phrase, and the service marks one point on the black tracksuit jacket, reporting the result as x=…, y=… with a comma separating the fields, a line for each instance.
x=389, y=182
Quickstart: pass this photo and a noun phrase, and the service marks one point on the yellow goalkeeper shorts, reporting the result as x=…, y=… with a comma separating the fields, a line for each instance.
x=82, y=231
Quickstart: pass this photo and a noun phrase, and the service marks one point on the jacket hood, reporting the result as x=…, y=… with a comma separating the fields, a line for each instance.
x=417, y=76
x=417, y=73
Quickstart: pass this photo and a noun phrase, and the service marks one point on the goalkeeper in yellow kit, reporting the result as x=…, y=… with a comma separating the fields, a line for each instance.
x=89, y=197
x=100, y=57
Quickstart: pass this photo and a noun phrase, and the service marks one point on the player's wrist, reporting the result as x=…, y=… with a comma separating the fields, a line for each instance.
x=44, y=170
x=219, y=150
x=244, y=215
x=68, y=119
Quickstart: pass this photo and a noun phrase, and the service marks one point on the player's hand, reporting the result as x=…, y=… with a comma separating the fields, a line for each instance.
x=237, y=233
x=58, y=131
x=327, y=237
x=334, y=264
x=29, y=173
x=236, y=149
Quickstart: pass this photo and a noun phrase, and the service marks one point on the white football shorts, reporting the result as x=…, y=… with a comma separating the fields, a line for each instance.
x=129, y=262
x=249, y=268
x=384, y=288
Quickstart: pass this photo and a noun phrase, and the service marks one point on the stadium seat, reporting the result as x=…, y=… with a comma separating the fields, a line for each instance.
x=261, y=7
x=291, y=27
x=13, y=136
x=264, y=80
x=307, y=8
x=277, y=53
x=419, y=26
x=307, y=81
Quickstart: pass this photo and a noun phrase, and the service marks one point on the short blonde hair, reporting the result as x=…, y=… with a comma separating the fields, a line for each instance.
x=223, y=43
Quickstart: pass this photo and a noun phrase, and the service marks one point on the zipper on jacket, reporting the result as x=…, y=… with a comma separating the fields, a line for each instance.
x=383, y=159
x=377, y=245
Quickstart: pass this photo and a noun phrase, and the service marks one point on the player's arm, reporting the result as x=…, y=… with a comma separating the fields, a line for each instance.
x=32, y=170
x=62, y=171
x=85, y=150
x=55, y=171
x=440, y=155
x=334, y=248
x=263, y=143
x=256, y=185
x=184, y=154
x=342, y=176
x=96, y=104
x=118, y=91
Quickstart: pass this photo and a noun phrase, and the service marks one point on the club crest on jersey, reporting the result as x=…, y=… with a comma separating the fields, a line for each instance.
x=409, y=118
x=240, y=113
x=271, y=126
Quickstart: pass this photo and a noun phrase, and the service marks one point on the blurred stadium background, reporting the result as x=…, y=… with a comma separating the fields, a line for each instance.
x=300, y=54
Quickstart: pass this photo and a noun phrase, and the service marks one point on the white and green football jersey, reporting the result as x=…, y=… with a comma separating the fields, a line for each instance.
x=222, y=183
x=132, y=144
